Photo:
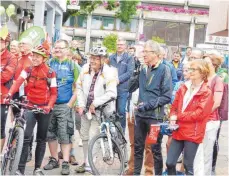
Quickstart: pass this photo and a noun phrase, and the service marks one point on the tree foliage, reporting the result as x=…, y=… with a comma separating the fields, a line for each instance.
x=86, y=7
x=127, y=10
x=110, y=42
x=158, y=39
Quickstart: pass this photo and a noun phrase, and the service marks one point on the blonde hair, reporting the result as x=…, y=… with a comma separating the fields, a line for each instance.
x=78, y=58
x=203, y=68
x=219, y=60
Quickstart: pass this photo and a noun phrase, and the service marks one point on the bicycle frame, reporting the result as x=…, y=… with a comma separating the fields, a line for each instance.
x=18, y=122
x=105, y=128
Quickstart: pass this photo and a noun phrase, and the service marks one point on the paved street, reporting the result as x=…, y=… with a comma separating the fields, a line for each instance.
x=222, y=163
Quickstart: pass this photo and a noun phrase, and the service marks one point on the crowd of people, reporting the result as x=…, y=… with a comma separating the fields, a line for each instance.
x=148, y=87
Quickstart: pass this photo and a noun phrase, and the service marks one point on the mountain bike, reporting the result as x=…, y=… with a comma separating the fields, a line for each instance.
x=15, y=140
x=106, y=150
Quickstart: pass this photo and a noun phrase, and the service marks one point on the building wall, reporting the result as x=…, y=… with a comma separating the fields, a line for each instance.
x=174, y=28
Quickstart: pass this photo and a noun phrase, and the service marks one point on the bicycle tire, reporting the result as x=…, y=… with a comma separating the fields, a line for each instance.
x=90, y=157
x=15, y=152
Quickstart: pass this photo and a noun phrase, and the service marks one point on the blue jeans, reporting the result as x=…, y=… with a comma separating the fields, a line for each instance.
x=121, y=107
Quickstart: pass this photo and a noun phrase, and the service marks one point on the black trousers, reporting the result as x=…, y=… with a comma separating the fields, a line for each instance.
x=42, y=121
x=4, y=112
x=141, y=128
x=174, y=152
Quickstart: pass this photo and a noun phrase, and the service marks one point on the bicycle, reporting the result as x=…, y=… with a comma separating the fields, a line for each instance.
x=15, y=140
x=112, y=143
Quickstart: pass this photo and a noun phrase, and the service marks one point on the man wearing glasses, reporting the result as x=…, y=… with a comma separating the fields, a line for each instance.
x=155, y=91
x=125, y=66
x=62, y=125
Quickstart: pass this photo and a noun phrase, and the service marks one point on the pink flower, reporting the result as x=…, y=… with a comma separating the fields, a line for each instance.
x=150, y=7
x=166, y=9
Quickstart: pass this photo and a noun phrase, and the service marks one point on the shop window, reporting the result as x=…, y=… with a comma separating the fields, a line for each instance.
x=172, y=33
x=199, y=35
x=96, y=22
x=108, y=23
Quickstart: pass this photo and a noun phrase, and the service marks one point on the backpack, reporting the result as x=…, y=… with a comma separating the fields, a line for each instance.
x=223, y=108
x=49, y=77
x=9, y=83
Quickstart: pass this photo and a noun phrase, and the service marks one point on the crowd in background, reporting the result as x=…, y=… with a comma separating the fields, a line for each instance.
x=149, y=88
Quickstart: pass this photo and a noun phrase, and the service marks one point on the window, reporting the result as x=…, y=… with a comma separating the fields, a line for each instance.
x=78, y=21
x=172, y=33
x=108, y=23
x=96, y=22
x=200, y=32
x=82, y=21
x=132, y=27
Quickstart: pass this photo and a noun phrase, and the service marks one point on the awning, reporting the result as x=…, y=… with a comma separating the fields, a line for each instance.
x=218, y=17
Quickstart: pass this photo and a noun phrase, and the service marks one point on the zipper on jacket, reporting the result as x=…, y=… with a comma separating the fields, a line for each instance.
x=195, y=128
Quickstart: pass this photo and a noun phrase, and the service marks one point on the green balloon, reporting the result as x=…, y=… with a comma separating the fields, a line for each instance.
x=11, y=7
x=2, y=10
x=9, y=12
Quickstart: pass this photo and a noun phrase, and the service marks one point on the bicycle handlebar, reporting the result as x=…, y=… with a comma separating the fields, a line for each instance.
x=33, y=108
x=101, y=107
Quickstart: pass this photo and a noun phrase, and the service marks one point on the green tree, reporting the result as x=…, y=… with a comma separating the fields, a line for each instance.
x=86, y=7
x=110, y=42
x=127, y=10
x=158, y=39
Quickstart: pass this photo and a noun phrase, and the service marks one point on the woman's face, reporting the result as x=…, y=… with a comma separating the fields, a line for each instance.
x=37, y=59
x=195, y=72
x=186, y=73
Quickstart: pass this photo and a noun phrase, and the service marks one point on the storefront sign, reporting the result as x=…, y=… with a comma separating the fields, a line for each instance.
x=211, y=46
x=217, y=40
x=74, y=5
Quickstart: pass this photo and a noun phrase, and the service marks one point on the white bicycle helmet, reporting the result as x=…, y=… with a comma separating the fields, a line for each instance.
x=98, y=51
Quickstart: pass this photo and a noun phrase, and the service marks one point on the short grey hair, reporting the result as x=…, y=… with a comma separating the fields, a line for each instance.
x=198, y=51
x=162, y=50
x=154, y=46
x=121, y=39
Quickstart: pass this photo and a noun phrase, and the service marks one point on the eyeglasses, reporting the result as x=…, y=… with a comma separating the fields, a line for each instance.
x=146, y=52
x=59, y=48
x=192, y=69
x=95, y=58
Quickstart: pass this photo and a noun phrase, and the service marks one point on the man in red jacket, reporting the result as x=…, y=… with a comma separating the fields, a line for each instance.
x=25, y=47
x=8, y=67
x=41, y=91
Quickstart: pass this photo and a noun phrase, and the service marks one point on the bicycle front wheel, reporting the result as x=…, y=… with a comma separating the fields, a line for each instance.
x=105, y=164
x=12, y=157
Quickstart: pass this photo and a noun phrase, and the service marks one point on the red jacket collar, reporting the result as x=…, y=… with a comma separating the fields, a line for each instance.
x=203, y=89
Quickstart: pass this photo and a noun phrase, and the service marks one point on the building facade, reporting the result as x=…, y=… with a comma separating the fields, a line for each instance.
x=46, y=14
x=175, y=22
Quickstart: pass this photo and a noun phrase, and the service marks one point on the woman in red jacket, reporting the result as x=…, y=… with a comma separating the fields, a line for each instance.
x=42, y=91
x=190, y=110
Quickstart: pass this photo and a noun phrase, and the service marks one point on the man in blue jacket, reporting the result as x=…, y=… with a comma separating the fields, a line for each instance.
x=171, y=67
x=155, y=91
x=125, y=66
